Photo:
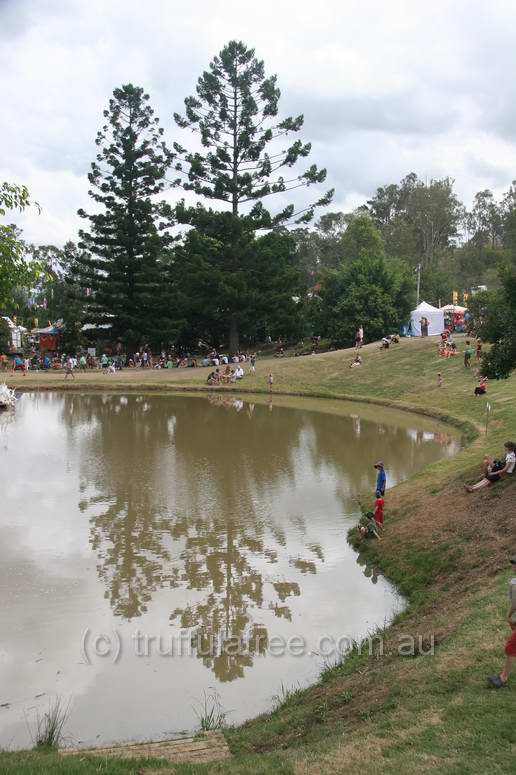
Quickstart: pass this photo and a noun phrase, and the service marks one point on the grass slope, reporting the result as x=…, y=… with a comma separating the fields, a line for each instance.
x=446, y=550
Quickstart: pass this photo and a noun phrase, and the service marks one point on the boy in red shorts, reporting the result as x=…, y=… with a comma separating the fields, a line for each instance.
x=378, y=508
x=499, y=681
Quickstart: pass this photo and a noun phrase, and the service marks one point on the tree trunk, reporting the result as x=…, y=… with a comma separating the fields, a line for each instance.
x=234, y=340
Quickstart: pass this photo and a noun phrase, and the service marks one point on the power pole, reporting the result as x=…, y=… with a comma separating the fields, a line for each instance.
x=418, y=283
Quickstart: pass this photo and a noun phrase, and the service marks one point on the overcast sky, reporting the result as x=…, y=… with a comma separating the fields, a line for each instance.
x=386, y=87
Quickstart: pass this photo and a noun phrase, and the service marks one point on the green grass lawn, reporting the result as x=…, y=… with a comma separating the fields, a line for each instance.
x=446, y=550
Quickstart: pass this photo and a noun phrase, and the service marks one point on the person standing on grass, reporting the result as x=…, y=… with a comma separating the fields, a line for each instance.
x=381, y=478
x=270, y=381
x=468, y=352
x=500, y=680
x=378, y=509
x=69, y=368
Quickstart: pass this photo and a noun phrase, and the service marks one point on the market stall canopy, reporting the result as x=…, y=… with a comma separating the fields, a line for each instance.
x=434, y=315
x=13, y=325
x=93, y=327
x=48, y=330
x=453, y=308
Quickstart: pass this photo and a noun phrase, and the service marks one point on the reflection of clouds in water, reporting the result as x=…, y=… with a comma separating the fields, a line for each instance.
x=171, y=426
x=39, y=650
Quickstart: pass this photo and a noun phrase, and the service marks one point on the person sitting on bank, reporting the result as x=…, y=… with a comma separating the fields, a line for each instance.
x=496, y=470
x=370, y=529
x=481, y=388
x=226, y=375
x=213, y=378
x=357, y=361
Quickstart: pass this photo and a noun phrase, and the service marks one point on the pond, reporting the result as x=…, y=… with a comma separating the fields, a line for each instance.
x=156, y=548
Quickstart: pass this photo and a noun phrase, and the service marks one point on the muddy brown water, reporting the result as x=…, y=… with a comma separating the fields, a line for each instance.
x=156, y=549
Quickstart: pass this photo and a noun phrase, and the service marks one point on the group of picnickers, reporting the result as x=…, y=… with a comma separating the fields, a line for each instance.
x=371, y=524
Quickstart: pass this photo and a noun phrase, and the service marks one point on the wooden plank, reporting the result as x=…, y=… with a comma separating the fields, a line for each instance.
x=210, y=746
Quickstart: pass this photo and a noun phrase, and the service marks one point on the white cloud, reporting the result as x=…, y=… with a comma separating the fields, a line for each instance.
x=386, y=88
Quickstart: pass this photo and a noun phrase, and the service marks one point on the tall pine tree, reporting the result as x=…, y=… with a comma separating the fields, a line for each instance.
x=129, y=235
x=235, y=116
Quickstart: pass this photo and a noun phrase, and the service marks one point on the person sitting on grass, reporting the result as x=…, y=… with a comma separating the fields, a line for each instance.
x=213, y=378
x=369, y=527
x=499, y=681
x=481, y=388
x=357, y=361
x=496, y=471
x=226, y=375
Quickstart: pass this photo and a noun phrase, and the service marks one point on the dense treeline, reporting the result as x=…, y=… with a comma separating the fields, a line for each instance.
x=147, y=269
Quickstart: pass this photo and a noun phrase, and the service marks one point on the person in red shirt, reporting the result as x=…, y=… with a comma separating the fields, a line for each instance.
x=378, y=508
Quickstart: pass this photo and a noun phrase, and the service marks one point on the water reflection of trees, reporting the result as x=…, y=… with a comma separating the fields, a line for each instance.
x=128, y=509
x=176, y=492
x=240, y=454
x=143, y=455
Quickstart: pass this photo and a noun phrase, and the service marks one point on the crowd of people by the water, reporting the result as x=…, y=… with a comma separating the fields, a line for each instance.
x=115, y=361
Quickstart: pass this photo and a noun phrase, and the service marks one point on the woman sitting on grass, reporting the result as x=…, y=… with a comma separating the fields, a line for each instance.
x=494, y=471
x=481, y=388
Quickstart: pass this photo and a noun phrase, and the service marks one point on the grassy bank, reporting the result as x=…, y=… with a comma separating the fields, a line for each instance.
x=447, y=551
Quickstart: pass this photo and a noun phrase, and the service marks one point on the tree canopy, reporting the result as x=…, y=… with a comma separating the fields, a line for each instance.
x=234, y=114
x=120, y=264
x=370, y=289
x=15, y=270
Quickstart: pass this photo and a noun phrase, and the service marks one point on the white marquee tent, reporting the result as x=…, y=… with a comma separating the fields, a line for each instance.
x=434, y=315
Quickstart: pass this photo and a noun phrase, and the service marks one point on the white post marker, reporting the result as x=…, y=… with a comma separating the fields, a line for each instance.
x=488, y=413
